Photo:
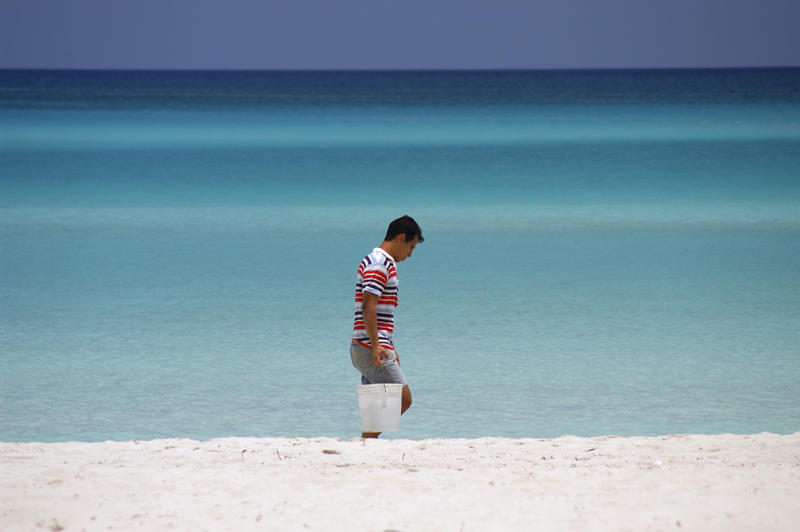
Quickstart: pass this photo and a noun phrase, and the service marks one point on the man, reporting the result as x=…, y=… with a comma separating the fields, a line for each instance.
x=371, y=348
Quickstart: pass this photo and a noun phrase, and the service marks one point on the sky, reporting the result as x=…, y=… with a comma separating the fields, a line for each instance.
x=398, y=34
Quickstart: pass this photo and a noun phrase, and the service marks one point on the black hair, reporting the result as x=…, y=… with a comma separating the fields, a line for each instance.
x=405, y=225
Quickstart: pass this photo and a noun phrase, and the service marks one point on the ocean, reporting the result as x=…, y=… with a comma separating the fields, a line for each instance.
x=606, y=252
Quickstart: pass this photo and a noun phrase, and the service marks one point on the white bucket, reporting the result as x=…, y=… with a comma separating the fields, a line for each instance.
x=380, y=406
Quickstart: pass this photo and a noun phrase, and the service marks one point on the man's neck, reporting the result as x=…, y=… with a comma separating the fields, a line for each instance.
x=388, y=247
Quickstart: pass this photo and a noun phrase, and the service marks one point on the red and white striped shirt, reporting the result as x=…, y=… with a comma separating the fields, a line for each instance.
x=377, y=274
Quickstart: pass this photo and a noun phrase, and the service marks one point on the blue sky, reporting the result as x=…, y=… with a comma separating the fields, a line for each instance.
x=407, y=34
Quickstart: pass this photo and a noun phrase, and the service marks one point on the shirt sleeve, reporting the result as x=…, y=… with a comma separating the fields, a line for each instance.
x=375, y=278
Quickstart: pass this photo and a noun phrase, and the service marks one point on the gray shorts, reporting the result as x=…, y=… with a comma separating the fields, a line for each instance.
x=389, y=371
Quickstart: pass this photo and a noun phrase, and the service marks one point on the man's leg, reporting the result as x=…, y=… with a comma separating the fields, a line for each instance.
x=406, y=399
x=389, y=372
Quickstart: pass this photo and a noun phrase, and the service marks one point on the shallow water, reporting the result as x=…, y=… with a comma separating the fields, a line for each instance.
x=606, y=252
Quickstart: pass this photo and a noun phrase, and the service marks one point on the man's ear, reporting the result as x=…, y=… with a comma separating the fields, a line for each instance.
x=401, y=237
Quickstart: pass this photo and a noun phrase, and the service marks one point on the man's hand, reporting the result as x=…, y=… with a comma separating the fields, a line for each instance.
x=379, y=354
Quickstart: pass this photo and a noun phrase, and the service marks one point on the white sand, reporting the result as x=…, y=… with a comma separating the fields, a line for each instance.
x=690, y=482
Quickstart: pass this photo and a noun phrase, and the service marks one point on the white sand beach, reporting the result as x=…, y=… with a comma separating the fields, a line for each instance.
x=679, y=482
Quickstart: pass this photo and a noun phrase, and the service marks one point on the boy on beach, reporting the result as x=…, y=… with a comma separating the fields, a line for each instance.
x=371, y=348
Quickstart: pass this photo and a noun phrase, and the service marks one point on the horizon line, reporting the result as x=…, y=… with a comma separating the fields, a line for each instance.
x=398, y=70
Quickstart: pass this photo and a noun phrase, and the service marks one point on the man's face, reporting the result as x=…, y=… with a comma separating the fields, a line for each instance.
x=406, y=248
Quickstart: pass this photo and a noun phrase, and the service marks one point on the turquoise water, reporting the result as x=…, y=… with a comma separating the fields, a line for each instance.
x=605, y=252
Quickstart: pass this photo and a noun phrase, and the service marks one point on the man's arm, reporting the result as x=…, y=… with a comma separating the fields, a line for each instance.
x=369, y=308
